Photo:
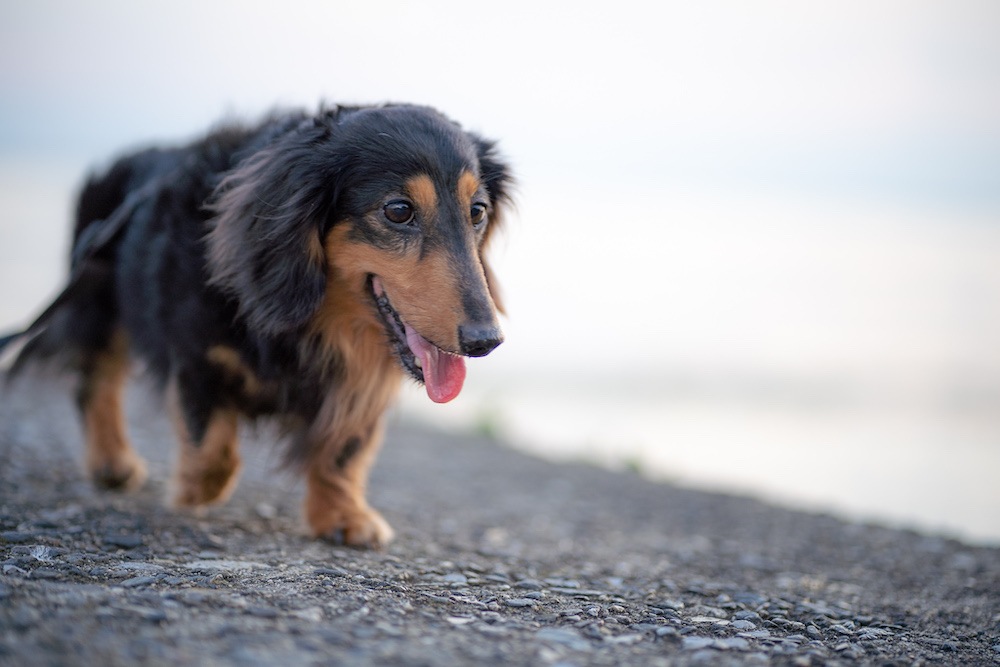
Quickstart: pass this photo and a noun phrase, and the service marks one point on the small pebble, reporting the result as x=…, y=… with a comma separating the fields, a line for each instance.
x=747, y=598
x=15, y=537
x=520, y=602
x=262, y=612
x=743, y=625
x=25, y=617
x=265, y=510
x=676, y=605
x=136, y=582
x=46, y=573
x=129, y=541
x=562, y=583
x=692, y=643
x=736, y=643
x=746, y=615
x=566, y=637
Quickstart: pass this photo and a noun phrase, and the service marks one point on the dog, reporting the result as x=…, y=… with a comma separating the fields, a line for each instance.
x=298, y=268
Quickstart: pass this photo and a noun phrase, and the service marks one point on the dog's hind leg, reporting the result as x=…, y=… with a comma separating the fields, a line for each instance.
x=110, y=459
x=208, y=464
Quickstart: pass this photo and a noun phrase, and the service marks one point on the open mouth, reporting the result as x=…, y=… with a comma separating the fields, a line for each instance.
x=441, y=372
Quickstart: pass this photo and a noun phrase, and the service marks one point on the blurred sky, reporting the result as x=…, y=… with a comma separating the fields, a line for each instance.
x=889, y=98
x=630, y=124
x=754, y=199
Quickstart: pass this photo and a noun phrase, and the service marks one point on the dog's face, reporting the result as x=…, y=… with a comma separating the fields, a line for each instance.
x=415, y=250
x=402, y=203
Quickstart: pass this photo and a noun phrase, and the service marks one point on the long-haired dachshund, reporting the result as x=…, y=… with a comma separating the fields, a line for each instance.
x=298, y=268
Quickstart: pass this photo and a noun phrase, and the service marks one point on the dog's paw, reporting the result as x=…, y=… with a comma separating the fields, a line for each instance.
x=363, y=528
x=209, y=486
x=125, y=473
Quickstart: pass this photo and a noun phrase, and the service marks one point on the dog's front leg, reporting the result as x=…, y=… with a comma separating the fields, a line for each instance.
x=336, y=479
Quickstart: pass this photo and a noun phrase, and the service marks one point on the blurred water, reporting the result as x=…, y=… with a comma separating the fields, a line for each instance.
x=834, y=354
x=927, y=467
x=829, y=355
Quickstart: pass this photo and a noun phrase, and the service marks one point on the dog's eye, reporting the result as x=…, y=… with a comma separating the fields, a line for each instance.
x=478, y=214
x=399, y=212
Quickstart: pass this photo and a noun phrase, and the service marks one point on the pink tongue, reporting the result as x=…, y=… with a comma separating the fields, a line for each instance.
x=444, y=373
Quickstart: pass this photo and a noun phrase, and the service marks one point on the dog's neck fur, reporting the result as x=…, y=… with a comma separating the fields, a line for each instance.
x=354, y=343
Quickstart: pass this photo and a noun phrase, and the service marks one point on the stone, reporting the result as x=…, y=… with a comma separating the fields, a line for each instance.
x=136, y=582
x=693, y=643
x=127, y=541
x=564, y=636
x=520, y=602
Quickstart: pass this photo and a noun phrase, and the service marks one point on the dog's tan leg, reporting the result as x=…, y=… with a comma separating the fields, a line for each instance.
x=336, y=480
x=110, y=459
x=209, y=459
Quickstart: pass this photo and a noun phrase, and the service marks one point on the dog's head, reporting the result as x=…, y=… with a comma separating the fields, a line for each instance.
x=379, y=215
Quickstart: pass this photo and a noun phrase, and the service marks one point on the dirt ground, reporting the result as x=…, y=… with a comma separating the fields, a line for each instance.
x=499, y=559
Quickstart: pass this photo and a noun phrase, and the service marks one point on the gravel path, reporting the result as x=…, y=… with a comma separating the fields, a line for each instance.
x=500, y=559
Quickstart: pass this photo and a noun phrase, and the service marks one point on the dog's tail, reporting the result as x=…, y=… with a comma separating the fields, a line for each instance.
x=34, y=343
x=10, y=346
x=49, y=335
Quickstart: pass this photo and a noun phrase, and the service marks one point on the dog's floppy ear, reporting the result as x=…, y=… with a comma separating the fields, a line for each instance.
x=265, y=247
x=495, y=174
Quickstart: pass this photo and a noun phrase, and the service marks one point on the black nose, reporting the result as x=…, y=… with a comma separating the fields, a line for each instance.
x=478, y=340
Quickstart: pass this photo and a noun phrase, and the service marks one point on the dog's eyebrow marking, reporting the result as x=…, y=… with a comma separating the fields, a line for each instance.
x=468, y=185
x=421, y=188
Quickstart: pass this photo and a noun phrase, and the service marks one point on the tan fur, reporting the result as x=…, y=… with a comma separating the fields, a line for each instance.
x=229, y=361
x=424, y=290
x=110, y=459
x=421, y=189
x=468, y=186
x=207, y=471
x=335, y=505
